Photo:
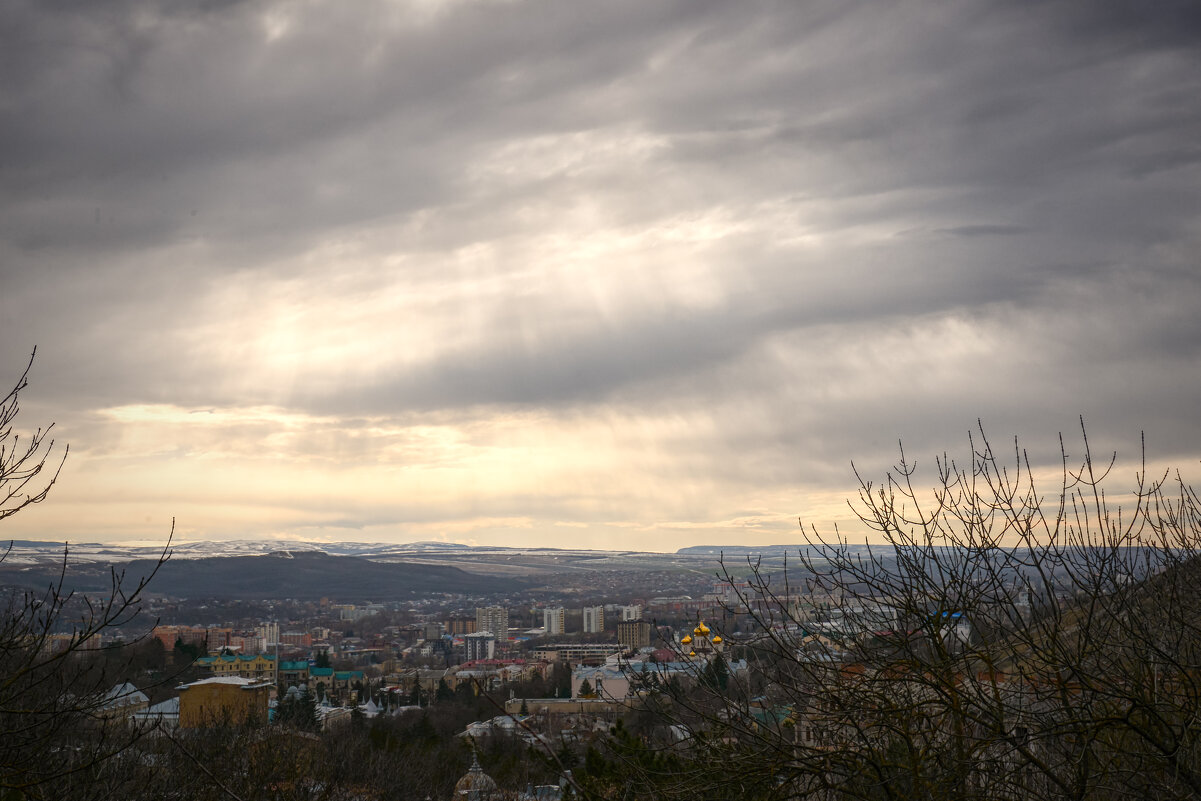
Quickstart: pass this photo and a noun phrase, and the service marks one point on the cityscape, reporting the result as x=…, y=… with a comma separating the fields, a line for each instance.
x=558, y=680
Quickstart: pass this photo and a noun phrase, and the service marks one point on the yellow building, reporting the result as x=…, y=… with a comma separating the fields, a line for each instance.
x=223, y=700
x=248, y=666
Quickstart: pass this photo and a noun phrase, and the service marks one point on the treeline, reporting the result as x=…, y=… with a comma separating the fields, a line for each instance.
x=414, y=755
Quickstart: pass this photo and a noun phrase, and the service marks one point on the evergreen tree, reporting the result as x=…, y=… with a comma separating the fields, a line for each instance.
x=716, y=674
x=189, y=651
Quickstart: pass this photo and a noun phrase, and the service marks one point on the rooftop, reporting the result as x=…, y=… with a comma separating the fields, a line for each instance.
x=235, y=680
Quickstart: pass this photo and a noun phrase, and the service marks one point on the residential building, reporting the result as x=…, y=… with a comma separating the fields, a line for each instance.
x=618, y=678
x=594, y=619
x=634, y=634
x=426, y=679
x=481, y=645
x=250, y=666
x=188, y=635
x=269, y=632
x=57, y=643
x=122, y=701
x=459, y=625
x=595, y=652
x=345, y=682
x=336, y=684
x=494, y=619
x=605, y=681
x=167, y=635
x=300, y=639
x=553, y=620
x=217, y=638
x=293, y=673
x=631, y=612
x=163, y=715
x=321, y=681
x=248, y=643
x=223, y=700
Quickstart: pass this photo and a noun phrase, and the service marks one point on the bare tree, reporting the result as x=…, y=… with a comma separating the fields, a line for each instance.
x=54, y=713
x=987, y=640
x=25, y=465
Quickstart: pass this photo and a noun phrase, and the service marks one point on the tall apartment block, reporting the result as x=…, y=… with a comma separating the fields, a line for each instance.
x=494, y=619
x=634, y=634
x=631, y=612
x=594, y=619
x=481, y=645
x=270, y=634
x=553, y=619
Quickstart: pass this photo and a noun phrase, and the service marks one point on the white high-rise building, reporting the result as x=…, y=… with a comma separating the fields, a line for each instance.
x=270, y=634
x=631, y=612
x=553, y=619
x=594, y=619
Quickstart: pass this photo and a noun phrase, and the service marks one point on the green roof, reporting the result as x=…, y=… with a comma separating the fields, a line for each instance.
x=301, y=665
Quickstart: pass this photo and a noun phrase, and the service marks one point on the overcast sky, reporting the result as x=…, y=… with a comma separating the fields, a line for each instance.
x=611, y=274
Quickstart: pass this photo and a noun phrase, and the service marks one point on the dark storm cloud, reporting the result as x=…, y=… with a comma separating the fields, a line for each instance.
x=818, y=226
x=984, y=230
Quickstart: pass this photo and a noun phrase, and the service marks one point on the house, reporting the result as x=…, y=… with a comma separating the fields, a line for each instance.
x=121, y=701
x=294, y=673
x=345, y=681
x=163, y=715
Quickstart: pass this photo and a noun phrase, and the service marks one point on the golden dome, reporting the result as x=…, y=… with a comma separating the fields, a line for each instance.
x=692, y=653
x=702, y=628
x=475, y=783
x=716, y=639
x=685, y=639
x=697, y=631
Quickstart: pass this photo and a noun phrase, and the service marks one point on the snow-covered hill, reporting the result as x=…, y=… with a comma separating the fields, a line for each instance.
x=32, y=552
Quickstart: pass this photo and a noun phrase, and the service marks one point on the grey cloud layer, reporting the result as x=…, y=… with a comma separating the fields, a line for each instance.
x=906, y=176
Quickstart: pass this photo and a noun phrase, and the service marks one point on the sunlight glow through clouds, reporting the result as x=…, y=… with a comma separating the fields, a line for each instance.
x=630, y=274
x=411, y=480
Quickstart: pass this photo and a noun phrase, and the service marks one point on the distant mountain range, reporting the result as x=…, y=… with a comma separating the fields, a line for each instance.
x=301, y=575
x=741, y=550
x=274, y=569
x=34, y=552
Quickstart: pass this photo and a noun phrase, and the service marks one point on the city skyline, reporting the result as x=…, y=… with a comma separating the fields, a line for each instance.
x=622, y=276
